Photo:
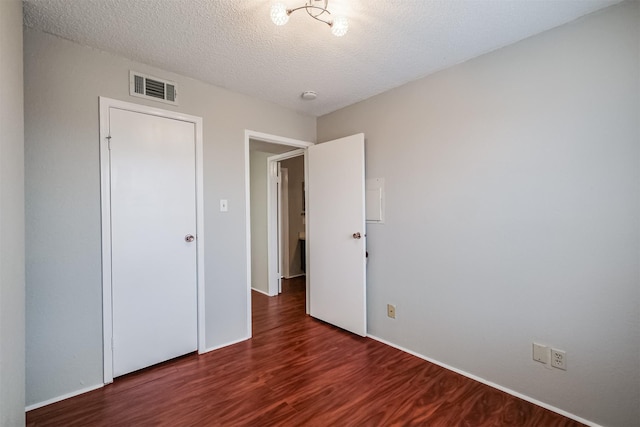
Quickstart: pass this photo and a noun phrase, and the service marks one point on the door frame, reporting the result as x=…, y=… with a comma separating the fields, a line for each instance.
x=105, y=199
x=274, y=216
x=273, y=139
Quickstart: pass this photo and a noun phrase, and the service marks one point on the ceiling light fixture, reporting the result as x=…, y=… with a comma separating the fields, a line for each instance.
x=317, y=9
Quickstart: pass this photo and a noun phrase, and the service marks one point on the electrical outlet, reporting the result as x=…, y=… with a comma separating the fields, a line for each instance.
x=559, y=359
x=540, y=353
x=391, y=311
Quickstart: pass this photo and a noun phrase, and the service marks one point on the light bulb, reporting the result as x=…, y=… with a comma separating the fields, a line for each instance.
x=339, y=26
x=279, y=14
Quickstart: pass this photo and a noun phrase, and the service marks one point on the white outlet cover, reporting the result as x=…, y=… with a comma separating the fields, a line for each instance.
x=540, y=353
x=559, y=359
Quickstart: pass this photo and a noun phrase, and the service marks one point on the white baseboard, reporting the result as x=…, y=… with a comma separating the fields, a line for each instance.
x=260, y=291
x=489, y=383
x=63, y=397
x=95, y=387
x=207, y=350
x=293, y=276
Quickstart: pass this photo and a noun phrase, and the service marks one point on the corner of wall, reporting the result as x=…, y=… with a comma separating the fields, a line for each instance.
x=12, y=275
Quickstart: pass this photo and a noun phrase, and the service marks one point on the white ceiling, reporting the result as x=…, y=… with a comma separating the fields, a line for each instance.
x=234, y=44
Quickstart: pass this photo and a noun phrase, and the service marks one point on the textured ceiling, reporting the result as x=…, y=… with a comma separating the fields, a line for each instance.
x=234, y=44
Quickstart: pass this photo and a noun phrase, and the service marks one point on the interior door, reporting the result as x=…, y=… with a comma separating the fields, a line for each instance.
x=284, y=224
x=280, y=225
x=153, y=223
x=336, y=227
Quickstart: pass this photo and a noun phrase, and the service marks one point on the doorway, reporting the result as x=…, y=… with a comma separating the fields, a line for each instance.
x=263, y=241
x=334, y=227
x=277, y=208
x=152, y=234
x=292, y=217
x=286, y=224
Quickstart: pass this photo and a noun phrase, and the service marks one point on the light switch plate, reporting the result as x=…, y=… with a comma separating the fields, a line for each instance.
x=224, y=206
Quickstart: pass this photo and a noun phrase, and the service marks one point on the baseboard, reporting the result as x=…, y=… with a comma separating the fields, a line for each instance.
x=294, y=276
x=95, y=387
x=63, y=397
x=489, y=383
x=207, y=350
x=258, y=290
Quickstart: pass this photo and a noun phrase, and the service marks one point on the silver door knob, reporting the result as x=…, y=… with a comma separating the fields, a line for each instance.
x=189, y=238
x=356, y=235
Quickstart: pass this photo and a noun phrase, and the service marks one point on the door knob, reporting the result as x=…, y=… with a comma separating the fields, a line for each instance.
x=357, y=235
x=189, y=238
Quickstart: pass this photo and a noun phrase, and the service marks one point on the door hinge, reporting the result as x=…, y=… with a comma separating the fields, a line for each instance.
x=109, y=142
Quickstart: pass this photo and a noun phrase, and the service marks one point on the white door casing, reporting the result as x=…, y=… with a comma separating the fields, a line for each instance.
x=336, y=228
x=152, y=200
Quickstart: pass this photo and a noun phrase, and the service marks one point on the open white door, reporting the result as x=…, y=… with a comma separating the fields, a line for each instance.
x=280, y=223
x=336, y=227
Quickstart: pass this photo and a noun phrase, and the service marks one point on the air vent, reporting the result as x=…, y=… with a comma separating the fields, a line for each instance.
x=149, y=87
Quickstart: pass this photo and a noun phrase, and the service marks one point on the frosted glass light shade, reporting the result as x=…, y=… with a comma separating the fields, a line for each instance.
x=279, y=14
x=339, y=26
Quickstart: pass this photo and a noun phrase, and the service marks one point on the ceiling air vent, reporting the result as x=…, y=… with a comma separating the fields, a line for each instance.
x=144, y=86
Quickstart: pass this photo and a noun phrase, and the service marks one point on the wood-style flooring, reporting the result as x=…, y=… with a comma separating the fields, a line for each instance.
x=296, y=371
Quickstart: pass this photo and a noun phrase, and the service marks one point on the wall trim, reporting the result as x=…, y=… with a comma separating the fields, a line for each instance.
x=487, y=382
x=293, y=276
x=97, y=386
x=62, y=397
x=218, y=347
x=261, y=291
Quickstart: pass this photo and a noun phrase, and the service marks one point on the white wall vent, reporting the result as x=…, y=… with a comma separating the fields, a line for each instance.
x=149, y=87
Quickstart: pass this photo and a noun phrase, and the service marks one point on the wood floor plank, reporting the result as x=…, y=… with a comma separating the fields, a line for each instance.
x=296, y=371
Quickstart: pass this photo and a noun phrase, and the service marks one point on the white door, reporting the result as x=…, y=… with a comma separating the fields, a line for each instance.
x=284, y=224
x=153, y=213
x=280, y=225
x=336, y=230
x=274, y=220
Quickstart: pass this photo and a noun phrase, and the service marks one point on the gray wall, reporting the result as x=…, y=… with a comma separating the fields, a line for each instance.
x=12, y=370
x=513, y=185
x=259, y=223
x=296, y=223
x=64, y=302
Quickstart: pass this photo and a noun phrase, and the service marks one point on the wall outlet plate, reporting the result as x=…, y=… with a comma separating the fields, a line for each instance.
x=391, y=311
x=559, y=359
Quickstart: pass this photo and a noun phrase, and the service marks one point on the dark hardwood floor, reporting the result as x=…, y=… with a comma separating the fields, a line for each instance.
x=296, y=371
